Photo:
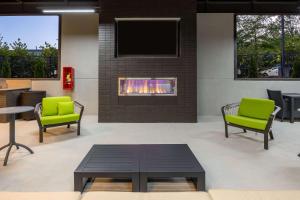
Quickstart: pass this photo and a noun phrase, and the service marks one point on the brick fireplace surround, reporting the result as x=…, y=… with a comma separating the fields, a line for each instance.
x=180, y=108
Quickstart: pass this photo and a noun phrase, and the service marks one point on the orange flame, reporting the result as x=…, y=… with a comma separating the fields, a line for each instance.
x=142, y=87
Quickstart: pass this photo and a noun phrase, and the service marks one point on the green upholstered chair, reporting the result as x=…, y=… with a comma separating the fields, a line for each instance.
x=252, y=114
x=57, y=111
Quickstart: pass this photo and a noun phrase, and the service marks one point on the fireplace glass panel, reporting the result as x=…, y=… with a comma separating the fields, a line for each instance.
x=147, y=86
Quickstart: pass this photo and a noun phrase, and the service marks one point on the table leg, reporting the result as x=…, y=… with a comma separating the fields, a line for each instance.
x=199, y=182
x=7, y=155
x=12, y=139
x=135, y=183
x=143, y=183
x=4, y=147
x=12, y=133
x=25, y=147
x=78, y=183
x=292, y=107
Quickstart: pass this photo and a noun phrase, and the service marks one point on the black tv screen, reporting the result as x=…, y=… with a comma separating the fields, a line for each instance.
x=147, y=38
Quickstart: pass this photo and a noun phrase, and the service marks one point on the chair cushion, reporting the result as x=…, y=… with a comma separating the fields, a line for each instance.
x=247, y=122
x=65, y=108
x=254, y=195
x=256, y=108
x=40, y=195
x=49, y=105
x=58, y=119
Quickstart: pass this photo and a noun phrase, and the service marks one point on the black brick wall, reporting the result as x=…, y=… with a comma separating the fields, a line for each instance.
x=113, y=108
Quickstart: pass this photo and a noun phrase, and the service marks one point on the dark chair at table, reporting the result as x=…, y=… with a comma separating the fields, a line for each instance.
x=31, y=98
x=276, y=96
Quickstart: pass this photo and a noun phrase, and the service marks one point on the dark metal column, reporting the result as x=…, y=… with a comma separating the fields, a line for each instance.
x=283, y=75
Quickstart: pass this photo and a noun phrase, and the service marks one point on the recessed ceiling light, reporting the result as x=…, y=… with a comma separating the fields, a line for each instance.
x=69, y=11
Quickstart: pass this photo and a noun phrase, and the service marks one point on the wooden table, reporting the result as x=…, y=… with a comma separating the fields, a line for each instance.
x=11, y=112
x=139, y=163
x=291, y=97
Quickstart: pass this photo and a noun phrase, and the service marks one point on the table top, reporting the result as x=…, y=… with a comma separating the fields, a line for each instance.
x=293, y=95
x=140, y=158
x=169, y=158
x=15, y=110
x=14, y=89
x=110, y=159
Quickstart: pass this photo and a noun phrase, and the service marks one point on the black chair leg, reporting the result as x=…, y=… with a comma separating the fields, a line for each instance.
x=78, y=128
x=245, y=131
x=68, y=126
x=45, y=129
x=226, y=130
x=41, y=135
x=266, y=141
x=271, y=135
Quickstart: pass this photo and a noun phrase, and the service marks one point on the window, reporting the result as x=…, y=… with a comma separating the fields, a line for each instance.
x=267, y=46
x=29, y=46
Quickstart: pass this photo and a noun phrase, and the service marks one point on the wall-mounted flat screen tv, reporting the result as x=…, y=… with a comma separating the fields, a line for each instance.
x=29, y=46
x=147, y=37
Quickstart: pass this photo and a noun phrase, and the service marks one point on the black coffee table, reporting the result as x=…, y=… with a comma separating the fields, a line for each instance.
x=170, y=161
x=139, y=163
x=109, y=161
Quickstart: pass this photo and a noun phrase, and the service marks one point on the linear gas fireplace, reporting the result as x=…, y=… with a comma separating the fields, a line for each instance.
x=148, y=86
x=150, y=75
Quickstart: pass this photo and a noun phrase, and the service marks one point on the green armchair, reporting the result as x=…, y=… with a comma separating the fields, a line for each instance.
x=57, y=111
x=251, y=114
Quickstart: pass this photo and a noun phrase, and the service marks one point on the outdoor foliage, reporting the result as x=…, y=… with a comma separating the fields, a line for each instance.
x=16, y=61
x=268, y=46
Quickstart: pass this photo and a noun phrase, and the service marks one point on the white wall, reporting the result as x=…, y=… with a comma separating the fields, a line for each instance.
x=216, y=84
x=79, y=49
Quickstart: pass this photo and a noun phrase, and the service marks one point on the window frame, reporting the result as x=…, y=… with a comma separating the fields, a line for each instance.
x=59, y=46
x=235, y=50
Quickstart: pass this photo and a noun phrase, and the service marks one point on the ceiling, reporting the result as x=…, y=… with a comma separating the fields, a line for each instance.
x=232, y=6
x=35, y=6
x=249, y=6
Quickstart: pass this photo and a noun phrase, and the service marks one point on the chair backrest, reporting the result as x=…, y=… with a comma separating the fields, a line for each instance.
x=50, y=104
x=256, y=108
x=276, y=96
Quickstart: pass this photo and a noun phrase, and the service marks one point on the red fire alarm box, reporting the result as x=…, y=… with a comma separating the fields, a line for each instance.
x=68, y=78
